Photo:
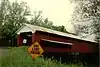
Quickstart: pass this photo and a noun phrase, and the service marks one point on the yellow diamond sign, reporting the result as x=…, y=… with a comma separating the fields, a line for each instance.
x=35, y=50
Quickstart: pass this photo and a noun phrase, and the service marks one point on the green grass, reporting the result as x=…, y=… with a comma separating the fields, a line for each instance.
x=19, y=57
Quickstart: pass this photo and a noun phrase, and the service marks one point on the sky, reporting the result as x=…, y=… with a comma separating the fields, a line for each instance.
x=57, y=11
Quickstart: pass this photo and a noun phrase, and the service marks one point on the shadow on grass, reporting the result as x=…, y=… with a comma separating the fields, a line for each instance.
x=86, y=60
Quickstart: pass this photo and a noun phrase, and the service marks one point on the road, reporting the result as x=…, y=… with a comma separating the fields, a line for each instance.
x=4, y=51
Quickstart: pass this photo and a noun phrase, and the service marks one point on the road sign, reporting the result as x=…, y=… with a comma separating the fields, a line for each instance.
x=35, y=50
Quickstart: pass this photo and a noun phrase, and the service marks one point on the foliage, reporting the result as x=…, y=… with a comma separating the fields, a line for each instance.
x=12, y=15
x=87, y=13
x=38, y=20
x=19, y=57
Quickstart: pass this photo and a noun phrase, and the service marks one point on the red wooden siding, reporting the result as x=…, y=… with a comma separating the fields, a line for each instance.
x=33, y=37
x=78, y=45
x=19, y=40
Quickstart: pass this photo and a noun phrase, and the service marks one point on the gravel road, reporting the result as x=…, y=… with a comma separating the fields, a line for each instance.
x=4, y=51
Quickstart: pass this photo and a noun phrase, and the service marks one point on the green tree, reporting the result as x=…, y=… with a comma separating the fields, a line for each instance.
x=12, y=16
x=37, y=18
x=39, y=21
x=87, y=13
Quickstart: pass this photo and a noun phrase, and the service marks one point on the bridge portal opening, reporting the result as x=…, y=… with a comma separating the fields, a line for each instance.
x=27, y=38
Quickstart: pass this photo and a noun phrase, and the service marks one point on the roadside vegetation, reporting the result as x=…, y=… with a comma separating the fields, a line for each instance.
x=19, y=57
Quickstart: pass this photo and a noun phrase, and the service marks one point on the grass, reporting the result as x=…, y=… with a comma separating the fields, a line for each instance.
x=19, y=57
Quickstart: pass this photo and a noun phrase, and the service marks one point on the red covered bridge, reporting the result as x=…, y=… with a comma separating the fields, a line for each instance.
x=54, y=41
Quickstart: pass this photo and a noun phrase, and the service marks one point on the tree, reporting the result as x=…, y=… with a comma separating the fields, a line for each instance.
x=39, y=21
x=12, y=16
x=37, y=18
x=87, y=13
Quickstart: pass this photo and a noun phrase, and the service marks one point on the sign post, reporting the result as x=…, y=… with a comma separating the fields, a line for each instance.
x=35, y=50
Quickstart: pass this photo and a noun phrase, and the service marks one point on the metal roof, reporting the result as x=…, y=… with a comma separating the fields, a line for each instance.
x=33, y=27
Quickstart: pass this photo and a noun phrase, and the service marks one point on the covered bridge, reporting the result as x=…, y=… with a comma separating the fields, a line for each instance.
x=54, y=41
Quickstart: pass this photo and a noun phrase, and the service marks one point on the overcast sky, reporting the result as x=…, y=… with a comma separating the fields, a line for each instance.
x=57, y=11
